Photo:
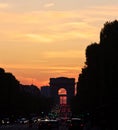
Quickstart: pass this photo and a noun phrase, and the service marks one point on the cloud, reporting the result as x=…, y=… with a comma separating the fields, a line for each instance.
x=47, y=26
x=3, y=5
x=39, y=38
x=64, y=54
x=49, y=5
x=55, y=26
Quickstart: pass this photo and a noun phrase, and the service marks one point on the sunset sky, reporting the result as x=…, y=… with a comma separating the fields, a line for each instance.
x=43, y=39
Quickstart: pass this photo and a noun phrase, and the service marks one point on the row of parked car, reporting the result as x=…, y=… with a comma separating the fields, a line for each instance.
x=20, y=120
x=70, y=124
x=46, y=123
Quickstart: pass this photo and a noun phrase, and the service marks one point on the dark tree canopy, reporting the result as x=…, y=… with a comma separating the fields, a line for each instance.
x=92, y=55
x=97, y=84
x=109, y=34
x=2, y=71
x=18, y=99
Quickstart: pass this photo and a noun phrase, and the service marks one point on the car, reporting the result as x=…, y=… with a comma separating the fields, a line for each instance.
x=76, y=124
x=68, y=122
x=5, y=120
x=33, y=119
x=48, y=124
x=54, y=123
x=43, y=124
x=23, y=120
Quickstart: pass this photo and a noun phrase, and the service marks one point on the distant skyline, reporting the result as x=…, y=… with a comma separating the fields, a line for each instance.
x=41, y=39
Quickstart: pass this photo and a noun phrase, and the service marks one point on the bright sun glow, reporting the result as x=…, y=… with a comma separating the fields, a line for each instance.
x=62, y=91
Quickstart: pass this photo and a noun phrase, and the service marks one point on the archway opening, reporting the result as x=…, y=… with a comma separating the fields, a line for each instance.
x=62, y=96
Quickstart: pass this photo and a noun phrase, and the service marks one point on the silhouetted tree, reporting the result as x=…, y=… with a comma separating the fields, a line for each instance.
x=88, y=87
x=18, y=99
x=8, y=88
x=97, y=83
x=109, y=45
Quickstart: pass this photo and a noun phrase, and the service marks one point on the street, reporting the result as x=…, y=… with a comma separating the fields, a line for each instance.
x=26, y=127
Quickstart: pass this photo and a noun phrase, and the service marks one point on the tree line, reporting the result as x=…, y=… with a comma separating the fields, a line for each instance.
x=97, y=87
x=17, y=99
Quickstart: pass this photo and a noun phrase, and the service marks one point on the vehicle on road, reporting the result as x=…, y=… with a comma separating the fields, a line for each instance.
x=75, y=124
x=48, y=124
x=23, y=120
x=5, y=120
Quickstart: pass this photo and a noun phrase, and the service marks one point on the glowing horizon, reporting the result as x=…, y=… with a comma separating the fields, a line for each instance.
x=42, y=39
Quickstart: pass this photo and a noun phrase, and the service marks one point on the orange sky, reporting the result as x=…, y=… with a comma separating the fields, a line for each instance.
x=42, y=39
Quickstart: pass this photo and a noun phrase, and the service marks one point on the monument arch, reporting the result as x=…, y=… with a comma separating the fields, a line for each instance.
x=62, y=83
